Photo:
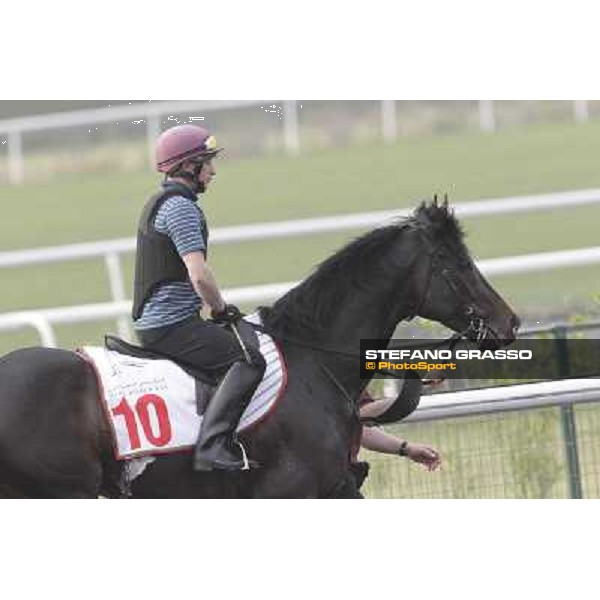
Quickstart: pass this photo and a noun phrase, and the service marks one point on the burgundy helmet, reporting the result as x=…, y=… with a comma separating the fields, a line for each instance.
x=181, y=143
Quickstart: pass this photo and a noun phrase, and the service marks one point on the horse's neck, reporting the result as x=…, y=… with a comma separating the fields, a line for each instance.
x=385, y=299
x=370, y=309
x=367, y=316
x=371, y=317
x=375, y=311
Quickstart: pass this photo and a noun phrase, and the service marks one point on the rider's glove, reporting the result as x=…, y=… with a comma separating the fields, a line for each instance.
x=230, y=314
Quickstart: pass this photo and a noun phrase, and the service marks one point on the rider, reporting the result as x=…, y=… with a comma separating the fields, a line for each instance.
x=173, y=281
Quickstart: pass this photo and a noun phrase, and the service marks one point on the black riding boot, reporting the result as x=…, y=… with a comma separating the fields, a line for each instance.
x=217, y=446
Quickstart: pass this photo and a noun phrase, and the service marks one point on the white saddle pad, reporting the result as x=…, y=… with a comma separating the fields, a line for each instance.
x=151, y=404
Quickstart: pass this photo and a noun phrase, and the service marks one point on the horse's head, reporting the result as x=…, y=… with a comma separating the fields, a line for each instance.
x=450, y=289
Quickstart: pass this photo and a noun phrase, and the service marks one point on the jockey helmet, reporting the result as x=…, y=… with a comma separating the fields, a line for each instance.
x=183, y=142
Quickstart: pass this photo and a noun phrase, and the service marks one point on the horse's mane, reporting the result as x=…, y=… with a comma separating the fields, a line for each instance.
x=308, y=307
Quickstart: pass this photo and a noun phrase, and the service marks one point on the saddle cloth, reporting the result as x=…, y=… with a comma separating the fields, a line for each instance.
x=153, y=405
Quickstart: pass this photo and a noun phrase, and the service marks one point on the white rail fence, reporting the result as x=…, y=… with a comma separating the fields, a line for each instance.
x=111, y=251
x=43, y=319
x=505, y=398
x=300, y=227
x=151, y=113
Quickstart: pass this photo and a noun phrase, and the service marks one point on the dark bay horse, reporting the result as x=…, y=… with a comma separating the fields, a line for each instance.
x=55, y=442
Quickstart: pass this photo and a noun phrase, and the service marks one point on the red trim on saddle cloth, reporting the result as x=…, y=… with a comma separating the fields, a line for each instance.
x=248, y=429
x=101, y=400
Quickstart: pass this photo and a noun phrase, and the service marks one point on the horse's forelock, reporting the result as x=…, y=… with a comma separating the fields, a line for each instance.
x=440, y=219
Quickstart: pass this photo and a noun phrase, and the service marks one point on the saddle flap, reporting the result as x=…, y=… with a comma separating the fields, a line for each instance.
x=112, y=342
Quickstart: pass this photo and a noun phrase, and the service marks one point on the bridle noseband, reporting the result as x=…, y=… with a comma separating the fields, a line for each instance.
x=477, y=327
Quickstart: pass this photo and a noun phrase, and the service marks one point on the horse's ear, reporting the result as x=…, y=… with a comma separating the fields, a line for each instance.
x=435, y=200
x=445, y=204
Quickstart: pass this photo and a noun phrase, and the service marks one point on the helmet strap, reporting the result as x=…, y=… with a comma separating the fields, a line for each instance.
x=199, y=187
x=191, y=177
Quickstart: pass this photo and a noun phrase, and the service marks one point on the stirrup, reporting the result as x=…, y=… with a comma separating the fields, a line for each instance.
x=246, y=466
x=202, y=464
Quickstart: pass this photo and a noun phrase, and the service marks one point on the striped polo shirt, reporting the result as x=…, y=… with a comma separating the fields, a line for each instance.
x=172, y=302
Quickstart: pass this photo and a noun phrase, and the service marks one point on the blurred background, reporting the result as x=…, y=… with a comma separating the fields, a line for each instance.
x=77, y=172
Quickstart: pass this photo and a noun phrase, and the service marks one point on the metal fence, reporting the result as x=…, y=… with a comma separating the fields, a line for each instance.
x=522, y=441
x=510, y=442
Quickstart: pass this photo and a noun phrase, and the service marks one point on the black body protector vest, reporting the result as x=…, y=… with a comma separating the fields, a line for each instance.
x=157, y=260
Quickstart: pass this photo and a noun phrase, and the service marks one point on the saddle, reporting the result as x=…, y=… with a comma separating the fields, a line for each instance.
x=206, y=382
x=156, y=406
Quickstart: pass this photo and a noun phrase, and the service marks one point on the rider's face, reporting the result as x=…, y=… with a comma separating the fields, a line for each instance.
x=207, y=173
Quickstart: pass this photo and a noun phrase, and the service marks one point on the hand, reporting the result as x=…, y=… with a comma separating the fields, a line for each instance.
x=425, y=455
x=230, y=314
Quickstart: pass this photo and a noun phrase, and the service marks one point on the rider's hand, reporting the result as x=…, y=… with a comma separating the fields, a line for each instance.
x=230, y=314
x=423, y=454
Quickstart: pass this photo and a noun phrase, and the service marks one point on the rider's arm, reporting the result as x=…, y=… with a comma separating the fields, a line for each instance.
x=182, y=222
x=203, y=280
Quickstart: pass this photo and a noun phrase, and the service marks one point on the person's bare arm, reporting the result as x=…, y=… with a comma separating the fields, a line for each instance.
x=203, y=280
x=377, y=407
x=377, y=440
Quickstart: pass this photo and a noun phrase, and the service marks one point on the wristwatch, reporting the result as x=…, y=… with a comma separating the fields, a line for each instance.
x=403, y=451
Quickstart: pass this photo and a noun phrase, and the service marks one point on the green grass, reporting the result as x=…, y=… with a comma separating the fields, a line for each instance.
x=334, y=181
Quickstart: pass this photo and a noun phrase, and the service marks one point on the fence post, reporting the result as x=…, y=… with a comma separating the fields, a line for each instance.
x=581, y=110
x=117, y=290
x=388, y=121
x=152, y=132
x=487, y=118
x=291, y=138
x=16, y=169
x=44, y=330
x=567, y=416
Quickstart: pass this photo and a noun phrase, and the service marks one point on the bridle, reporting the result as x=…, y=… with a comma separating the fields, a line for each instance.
x=477, y=326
